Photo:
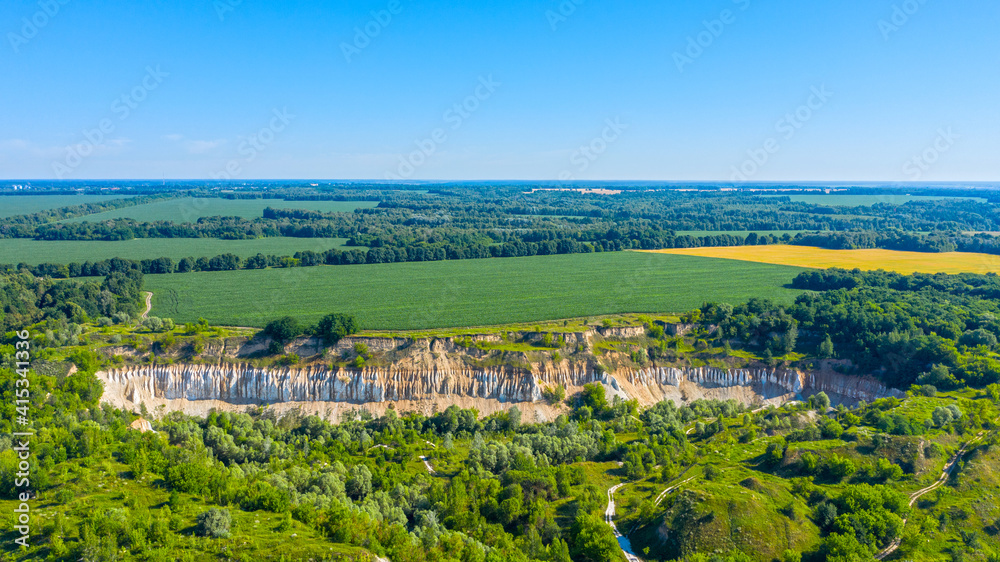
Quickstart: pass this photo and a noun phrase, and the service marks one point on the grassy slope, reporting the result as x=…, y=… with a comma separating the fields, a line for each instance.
x=191, y=209
x=468, y=293
x=37, y=251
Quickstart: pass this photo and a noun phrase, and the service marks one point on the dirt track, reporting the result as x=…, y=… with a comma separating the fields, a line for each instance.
x=149, y=304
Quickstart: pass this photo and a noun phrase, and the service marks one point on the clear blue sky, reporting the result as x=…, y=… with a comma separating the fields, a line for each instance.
x=926, y=88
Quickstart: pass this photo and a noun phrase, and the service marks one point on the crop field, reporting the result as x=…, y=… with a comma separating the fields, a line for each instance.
x=191, y=209
x=13, y=205
x=820, y=258
x=835, y=200
x=34, y=252
x=424, y=295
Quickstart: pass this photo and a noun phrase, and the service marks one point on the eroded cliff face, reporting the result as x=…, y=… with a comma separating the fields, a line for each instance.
x=441, y=381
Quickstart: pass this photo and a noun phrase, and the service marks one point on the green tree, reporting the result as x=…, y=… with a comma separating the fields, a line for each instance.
x=826, y=350
x=593, y=541
x=593, y=397
x=820, y=401
x=845, y=548
x=335, y=327
x=283, y=329
x=360, y=483
x=558, y=551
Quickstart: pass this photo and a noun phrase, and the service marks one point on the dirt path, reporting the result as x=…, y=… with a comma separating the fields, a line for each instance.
x=609, y=515
x=664, y=493
x=916, y=495
x=149, y=304
x=427, y=464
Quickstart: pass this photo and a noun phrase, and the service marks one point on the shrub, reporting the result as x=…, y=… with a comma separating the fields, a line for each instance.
x=808, y=463
x=711, y=472
x=215, y=523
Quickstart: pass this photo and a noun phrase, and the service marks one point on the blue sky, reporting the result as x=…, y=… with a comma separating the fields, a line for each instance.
x=883, y=90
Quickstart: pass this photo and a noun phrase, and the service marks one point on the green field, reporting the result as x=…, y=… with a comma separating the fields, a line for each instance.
x=190, y=209
x=13, y=205
x=867, y=200
x=469, y=292
x=33, y=252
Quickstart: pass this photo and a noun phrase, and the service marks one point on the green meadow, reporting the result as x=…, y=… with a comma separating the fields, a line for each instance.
x=190, y=209
x=13, y=205
x=33, y=252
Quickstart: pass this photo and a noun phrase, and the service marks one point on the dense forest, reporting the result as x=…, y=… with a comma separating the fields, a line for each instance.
x=939, y=329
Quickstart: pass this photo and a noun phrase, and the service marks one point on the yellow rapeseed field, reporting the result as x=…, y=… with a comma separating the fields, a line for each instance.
x=820, y=258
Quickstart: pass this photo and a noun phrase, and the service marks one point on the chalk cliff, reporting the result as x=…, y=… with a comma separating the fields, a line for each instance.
x=196, y=388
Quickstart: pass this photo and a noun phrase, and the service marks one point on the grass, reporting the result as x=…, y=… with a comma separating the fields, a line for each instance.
x=868, y=200
x=409, y=296
x=191, y=209
x=806, y=256
x=565, y=326
x=34, y=252
x=13, y=205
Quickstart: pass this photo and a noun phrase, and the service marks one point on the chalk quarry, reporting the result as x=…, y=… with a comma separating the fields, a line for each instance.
x=432, y=374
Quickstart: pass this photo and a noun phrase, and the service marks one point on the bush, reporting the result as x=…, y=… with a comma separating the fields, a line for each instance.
x=838, y=467
x=820, y=401
x=215, y=523
x=711, y=472
x=288, y=360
